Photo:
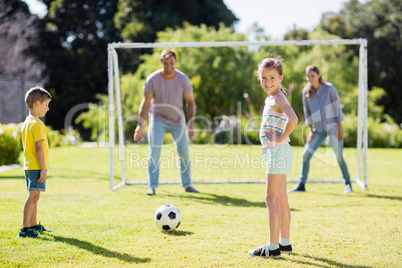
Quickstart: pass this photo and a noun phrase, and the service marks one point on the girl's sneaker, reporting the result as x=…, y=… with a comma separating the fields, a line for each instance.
x=285, y=249
x=29, y=233
x=264, y=252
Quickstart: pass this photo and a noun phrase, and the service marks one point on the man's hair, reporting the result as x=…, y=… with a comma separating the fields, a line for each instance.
x=36, y=94
x=167, y=53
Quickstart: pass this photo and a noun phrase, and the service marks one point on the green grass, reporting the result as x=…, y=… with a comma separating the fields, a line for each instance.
x=93, y=227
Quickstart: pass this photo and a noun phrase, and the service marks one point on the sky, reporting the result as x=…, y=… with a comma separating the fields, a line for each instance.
x=279, y=17
x=275, y=17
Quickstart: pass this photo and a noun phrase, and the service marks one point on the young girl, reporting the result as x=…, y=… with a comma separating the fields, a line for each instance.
x=278, y=122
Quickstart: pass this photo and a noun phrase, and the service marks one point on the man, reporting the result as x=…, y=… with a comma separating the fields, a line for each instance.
x=164, y=91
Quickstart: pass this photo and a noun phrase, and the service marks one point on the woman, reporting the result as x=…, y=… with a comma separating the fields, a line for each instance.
x=323, y=116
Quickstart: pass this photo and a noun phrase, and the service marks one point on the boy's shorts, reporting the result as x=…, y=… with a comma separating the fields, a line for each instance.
x=31, y=178
x=278, y=159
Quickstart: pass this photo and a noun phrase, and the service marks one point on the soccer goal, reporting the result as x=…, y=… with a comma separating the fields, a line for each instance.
x=115, y=107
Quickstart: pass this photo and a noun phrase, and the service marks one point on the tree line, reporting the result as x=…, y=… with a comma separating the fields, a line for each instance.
x=68, y=49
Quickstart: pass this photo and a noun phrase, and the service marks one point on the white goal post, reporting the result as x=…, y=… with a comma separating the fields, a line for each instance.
x=114, y=97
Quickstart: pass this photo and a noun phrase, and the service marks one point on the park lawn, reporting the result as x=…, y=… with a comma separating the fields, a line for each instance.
x=95, y=227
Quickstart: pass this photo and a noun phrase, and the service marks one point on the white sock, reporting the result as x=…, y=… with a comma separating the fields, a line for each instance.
x=273, y=246
x=284, y=241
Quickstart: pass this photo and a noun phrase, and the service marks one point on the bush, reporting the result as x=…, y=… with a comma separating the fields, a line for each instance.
x=10, y=144
x=58, y=138
x=299, y=135
x=380, y=134
x=349, y=124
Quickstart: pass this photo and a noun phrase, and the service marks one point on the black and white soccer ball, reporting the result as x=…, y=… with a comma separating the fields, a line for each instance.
x=167, y=218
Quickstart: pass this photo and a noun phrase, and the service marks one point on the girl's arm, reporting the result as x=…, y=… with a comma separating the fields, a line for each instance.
x=292, y=121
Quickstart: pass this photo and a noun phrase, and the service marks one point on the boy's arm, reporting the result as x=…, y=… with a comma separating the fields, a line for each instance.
x=41, y=159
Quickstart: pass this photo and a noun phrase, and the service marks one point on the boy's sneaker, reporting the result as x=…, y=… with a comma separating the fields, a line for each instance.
x=29, y=233
x=264, y=252
x=41, y=228
x=285, y=249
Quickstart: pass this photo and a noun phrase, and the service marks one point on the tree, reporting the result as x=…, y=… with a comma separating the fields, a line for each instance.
x=18, y=32
x=380, y=22
x=140, y=20
x=220, y=76
x=74, y=38
x=75, y=34
x=296, y=34
x=337, y=63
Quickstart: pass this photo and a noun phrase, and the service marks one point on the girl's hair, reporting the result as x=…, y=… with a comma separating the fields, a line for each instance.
x=275, y=63
x=36, y=94
x=309, y=85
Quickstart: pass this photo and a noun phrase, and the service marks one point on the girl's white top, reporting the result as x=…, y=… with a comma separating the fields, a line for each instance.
x=272, y=121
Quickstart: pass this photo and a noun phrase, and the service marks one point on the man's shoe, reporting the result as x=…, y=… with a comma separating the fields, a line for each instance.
x=151, y=191
x=29, y=233
x=190, y=189
x=285, y=249
x=264, y=252
x=299, y=187
x=348, y=189
x=41, y=228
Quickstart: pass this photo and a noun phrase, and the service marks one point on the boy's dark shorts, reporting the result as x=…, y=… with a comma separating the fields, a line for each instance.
x=31, y=178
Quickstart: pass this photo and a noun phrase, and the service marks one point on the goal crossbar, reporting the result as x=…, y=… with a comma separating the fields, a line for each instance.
x=240, y=43
x=114, y=96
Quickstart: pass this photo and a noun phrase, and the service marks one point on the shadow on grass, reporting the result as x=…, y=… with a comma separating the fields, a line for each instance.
x=398, y=198
x=95, y=249
x=367, y=195
x=11, y=177
x=72, y=173
x=221, y=199
x=325, y=262
x=178, y=233
x=224, y=200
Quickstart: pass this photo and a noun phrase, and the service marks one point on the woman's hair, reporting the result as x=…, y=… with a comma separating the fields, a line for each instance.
x=309, y=85
x=275, y=63
x=36, y=94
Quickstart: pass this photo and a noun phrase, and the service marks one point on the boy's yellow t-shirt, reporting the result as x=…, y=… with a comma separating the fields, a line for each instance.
x=34, y=130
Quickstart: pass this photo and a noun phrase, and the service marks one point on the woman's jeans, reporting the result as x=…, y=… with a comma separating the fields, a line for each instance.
x=311, y=147
x=156, y=134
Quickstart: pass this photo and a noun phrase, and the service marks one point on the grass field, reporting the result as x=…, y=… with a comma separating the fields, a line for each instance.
x=94, y=227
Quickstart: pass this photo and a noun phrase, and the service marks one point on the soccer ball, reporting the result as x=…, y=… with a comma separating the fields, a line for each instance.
x=167, y=218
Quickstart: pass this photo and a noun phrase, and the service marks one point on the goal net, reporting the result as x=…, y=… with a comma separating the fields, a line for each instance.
x=216, y=162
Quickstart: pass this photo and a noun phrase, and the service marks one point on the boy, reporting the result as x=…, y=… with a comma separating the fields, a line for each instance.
x=36, y=161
